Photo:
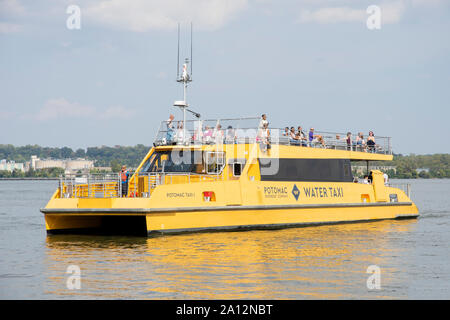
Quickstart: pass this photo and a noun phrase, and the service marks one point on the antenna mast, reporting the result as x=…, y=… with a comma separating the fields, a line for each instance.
x=184, y=78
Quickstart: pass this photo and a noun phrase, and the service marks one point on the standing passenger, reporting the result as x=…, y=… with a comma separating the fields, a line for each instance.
x=263, y=121
x=170, y=130
x=124, y=174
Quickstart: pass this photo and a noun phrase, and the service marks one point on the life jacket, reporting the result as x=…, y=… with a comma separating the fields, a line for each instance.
x=124, y=176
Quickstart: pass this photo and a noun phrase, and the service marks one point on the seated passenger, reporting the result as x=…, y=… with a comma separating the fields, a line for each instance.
x=315, y=138
x=301, y=136
x=293, y=139
x=286, y=132
x=360, y=143
x=371, y=142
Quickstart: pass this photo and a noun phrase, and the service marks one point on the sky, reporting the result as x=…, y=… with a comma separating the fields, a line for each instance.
x=329, y=64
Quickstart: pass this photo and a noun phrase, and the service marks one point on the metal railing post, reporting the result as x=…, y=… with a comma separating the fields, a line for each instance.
x=119, y=186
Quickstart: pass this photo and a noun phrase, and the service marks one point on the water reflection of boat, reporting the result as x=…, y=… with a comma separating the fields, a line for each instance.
x=322, y=262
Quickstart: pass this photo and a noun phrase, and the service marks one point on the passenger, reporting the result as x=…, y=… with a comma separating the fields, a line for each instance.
x=124, y=174
x=349, y=141
x=263, y=121
x=170, y=131
x=180, y=133
x=286, y=132
x=315, y=138
x=386, y=179
x=230, y=135
x=371, y=142
x=265, y=137
x=207, y=135
x=293, y=139
x=366, y=179
x=218, y=134
x=301, y=136
x=198, y=134
x=360, y=143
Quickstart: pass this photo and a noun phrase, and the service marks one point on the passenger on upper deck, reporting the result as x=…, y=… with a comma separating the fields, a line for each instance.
x=230, y=135
x=286, y=132
x=293, y=139
x=349, y=141
x=264, y=136
x=315, y=138
x=360, y=143
x=263, y=121
x=180, y=133
x=371, y=142
x=207, y=135
x=170, y=131
x=301, y=136
x=218, y=134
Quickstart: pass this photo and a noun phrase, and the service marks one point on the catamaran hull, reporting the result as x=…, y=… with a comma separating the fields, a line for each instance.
x=224, y=218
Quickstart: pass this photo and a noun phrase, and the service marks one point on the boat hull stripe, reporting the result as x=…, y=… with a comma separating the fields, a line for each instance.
x=217, y=208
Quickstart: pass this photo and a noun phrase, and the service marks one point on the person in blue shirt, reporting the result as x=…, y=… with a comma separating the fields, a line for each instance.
x=170, y=130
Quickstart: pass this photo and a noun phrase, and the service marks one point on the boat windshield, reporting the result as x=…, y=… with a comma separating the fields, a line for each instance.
x=186, y=161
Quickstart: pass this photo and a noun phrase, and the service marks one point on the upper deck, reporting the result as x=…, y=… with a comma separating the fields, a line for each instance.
x=204, y=133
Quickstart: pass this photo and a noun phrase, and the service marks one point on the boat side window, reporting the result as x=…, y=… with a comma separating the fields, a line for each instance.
x=215, y=161
x=146, y=166
x=237, y=169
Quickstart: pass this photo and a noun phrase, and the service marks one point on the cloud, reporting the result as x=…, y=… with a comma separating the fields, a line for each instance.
x=60, y=108
x=117, y=112
x=6, y=27
x=391, y=12
x=11, y=8
x=145, y=15
x=332, y=15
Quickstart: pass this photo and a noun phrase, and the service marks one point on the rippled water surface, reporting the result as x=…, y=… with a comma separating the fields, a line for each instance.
x=326, y=262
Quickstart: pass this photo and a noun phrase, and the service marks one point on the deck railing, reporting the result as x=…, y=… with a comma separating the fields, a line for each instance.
x=245, y=130
x=405, y=187
x=110, y=185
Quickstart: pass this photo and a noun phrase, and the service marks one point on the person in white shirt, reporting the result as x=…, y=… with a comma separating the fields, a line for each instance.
x=263, y=121
x=386, y=179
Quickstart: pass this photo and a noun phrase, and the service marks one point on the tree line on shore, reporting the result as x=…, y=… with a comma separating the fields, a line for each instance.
x=435, y=165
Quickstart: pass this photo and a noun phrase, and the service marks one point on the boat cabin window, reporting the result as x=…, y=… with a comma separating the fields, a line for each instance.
x=176, y=160
x=325, y=170
x=184, y=161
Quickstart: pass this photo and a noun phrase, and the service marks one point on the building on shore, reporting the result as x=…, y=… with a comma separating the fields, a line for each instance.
x=11, y=166
x=70, y=166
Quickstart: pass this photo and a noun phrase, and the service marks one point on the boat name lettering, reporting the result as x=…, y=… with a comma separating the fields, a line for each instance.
x=276, y=192
x=180, y=194
x=323, y=192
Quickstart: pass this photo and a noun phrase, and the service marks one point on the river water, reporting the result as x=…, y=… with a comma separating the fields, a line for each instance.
x=322, y=262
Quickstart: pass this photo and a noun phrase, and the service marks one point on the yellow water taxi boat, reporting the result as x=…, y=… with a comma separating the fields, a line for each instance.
x=201, y=177
x=239, y=183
